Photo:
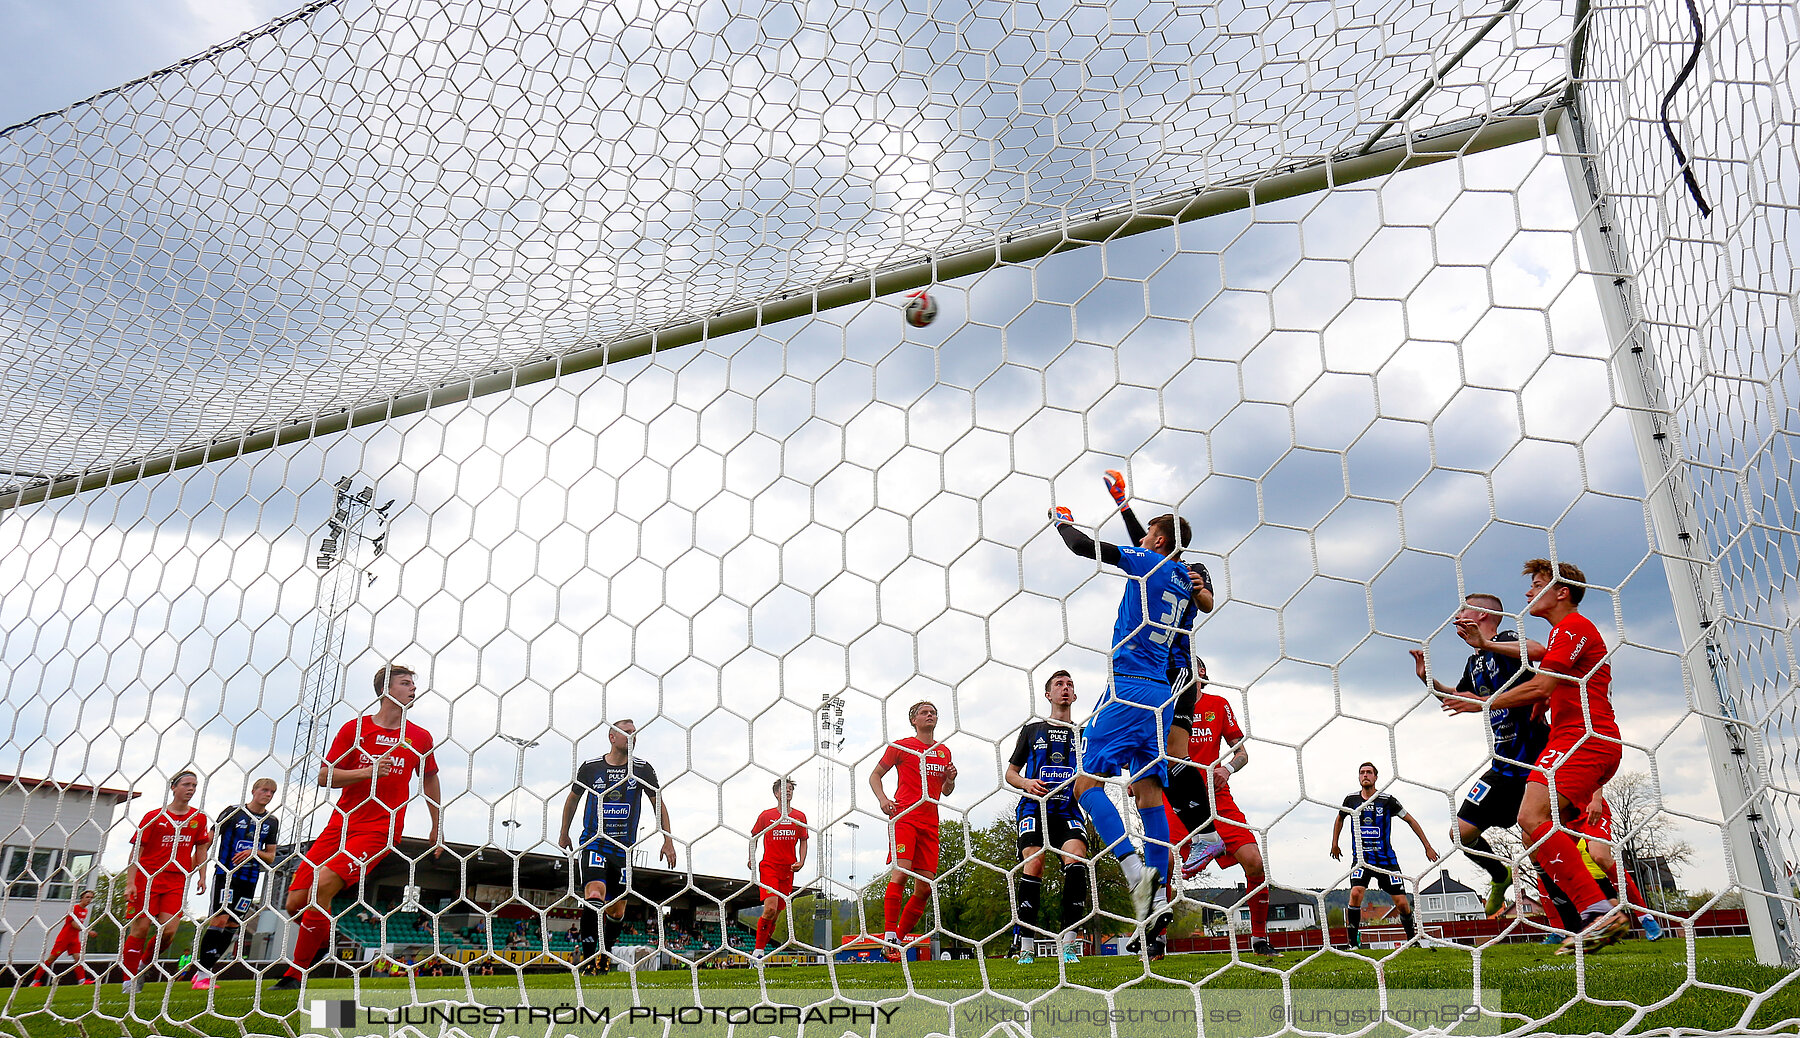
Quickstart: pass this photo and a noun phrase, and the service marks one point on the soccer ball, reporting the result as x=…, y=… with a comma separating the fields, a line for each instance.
x=921, y=309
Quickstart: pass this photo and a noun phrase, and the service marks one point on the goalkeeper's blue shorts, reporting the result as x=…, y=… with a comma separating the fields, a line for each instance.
x=1128, y=733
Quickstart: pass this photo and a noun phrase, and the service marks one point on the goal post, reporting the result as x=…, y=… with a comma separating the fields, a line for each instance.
x=1740, y=771
x=1693, y=344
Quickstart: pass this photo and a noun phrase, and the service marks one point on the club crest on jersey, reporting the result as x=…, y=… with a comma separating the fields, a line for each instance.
x=1211, y=715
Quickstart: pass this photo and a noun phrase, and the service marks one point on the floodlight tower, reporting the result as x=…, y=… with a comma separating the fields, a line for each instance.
x=830, y=732
x=345, y=551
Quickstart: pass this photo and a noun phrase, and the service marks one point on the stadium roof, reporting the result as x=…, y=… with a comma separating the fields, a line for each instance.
x=465, y=866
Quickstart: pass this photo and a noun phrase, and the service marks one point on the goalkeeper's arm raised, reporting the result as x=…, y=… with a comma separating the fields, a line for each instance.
x=1080, y=543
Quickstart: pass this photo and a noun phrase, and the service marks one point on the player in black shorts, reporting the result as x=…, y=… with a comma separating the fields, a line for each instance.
x=246, y=835
x=1519, y=733
x=609, y=791
x=1372, y=848
x=1043, y=767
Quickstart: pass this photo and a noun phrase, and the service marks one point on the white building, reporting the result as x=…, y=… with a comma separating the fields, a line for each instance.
x=51, y=834
x=1446, y=901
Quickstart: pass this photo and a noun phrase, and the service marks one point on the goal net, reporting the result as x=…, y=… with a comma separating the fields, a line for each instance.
x=555, y=350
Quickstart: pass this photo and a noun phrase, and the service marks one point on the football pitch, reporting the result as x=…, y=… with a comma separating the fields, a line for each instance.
x=1632, y=988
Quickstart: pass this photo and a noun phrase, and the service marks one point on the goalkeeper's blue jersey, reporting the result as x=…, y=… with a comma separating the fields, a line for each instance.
x=1152, y=613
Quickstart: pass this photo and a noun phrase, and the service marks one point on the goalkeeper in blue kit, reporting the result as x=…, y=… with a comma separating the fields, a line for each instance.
x=1128, y=731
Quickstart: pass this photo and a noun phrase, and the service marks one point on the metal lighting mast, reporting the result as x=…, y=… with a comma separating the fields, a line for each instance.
x=830, y=731
x=344, y=553
x=511, y=822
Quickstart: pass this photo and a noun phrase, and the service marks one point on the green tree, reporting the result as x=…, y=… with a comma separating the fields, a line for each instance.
x=975, y=888
x=107, y=918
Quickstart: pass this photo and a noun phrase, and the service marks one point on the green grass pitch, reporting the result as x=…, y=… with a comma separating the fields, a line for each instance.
x=1532, y=982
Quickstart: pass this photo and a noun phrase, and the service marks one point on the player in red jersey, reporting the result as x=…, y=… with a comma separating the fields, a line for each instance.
x=164, y=848
x=1207, y=748
x=68, y=940
x=1583, y=751
x=372, y=760
x=926, y=776
x=782, y=830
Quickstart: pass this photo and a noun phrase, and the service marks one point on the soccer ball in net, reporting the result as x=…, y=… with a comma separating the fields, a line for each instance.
x=921, y=309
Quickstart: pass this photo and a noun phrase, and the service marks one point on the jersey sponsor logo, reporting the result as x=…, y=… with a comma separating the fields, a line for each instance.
x=613, y=810
x=1052, y=774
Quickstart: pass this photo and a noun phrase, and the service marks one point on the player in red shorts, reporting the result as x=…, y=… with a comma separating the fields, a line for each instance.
x=1583, y=751
x=68, y=941
x=164, y=848
x=926, y=776
x=372, y=760
x=782, y=830
x=1207, y=747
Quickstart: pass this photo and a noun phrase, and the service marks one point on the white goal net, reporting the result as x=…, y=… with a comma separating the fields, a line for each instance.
x=555, y=350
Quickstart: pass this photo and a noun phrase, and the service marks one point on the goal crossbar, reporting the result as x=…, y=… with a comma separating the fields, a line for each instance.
x=1442, y=143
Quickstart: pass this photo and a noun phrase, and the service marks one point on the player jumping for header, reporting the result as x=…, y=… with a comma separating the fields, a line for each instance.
x=1519, y=733
x=782, y=830
x=1583, y=751
x=926, y=776
x=1127, y=732
x=1372, y=850
x=371, y=761
x=1042, y=767
x=245, y=840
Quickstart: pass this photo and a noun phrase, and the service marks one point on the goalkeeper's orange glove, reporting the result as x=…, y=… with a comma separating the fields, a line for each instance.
x=1115, y=485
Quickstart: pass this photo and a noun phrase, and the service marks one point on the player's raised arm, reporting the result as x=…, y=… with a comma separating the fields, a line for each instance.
x=1080, y=543
x=1201, y=578
x=1115, y=485
x=1422, y=668
x=1470, y=630
x=1534, y=690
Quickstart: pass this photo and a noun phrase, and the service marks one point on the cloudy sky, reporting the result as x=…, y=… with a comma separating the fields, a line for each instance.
x=1368, y=403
